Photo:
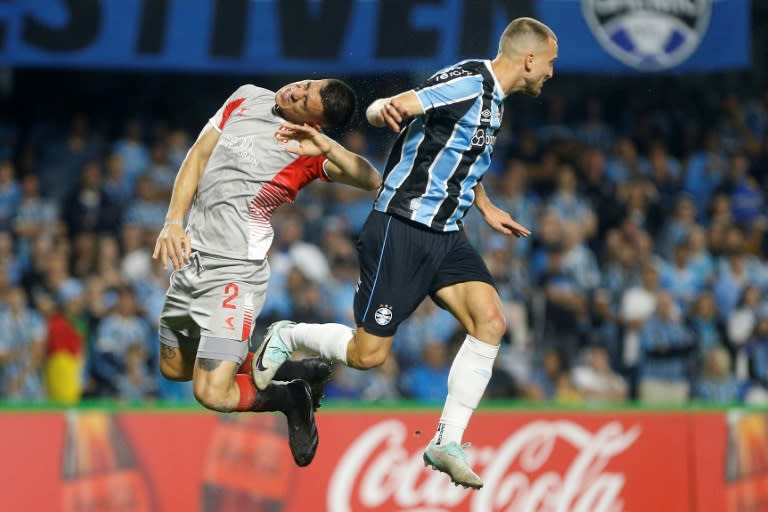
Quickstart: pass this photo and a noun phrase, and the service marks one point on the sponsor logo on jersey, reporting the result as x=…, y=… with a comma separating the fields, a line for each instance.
x=452, y=73
x=483, y=137
x=243, y=147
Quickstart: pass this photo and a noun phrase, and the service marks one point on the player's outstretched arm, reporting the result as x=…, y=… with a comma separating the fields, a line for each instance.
x=497, y=218
x=173, y=242
x=342, y=165
x=392, y=111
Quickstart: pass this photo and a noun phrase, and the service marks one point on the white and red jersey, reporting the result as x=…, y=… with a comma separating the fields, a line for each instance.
x=248, y=175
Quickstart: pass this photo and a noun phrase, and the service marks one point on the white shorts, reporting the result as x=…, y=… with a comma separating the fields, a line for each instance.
x=214, y=301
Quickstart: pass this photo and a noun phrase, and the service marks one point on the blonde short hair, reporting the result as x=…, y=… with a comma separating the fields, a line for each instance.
x=521, y=29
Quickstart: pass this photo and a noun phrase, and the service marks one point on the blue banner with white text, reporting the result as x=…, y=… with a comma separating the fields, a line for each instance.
x=367, y=36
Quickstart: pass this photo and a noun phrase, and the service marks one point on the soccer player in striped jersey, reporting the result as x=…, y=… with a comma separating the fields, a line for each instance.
x=234, y=176
x=412, y=244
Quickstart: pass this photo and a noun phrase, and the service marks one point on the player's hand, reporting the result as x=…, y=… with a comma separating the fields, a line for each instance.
x=172, y=243
x=311, y=142
x=392, y=113
x=502, y=222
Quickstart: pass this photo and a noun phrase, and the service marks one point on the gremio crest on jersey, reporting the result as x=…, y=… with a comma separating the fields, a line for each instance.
x=648, y=35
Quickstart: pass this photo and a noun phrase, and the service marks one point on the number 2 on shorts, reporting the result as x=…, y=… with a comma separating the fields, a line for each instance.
x=231, y=291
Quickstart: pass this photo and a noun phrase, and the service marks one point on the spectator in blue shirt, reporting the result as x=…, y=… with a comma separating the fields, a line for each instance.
x=22, y=347
x=178, y=142
x=706, y=325
x=428, y=324
x=428, y=379
x=353, y=204
x=705, y=170
x=146, y=210
x=680, y=279
x=548, y=238
x=383, y=383
x=578, y=259
x=717, y=384
x=340, y=251
x=620, y=266
x=569, y=205
x=115, y=334
x=135, y=383
x=10, y=194
x=35, y=215
x=543, y=381
x=736, y=269
x=61, y=161
x=756, y=351
x=678, y=226
x=133, y=152
x=115, y=183
x=11, y=264
x=625, y=163
x=160, y=170
x=748, y=202
x=702, y=263
x=515, y=197
x=667, y=346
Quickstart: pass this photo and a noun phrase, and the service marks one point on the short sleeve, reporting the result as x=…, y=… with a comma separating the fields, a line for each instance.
x=449, y=86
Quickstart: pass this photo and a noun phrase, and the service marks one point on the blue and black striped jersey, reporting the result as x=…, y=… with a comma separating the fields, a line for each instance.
x=440, y=156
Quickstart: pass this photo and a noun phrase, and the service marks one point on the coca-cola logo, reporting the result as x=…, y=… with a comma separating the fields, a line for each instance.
x=520, y=475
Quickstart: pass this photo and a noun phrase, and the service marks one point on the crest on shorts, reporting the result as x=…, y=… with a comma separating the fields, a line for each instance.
x=649, y=35
x=383, y=315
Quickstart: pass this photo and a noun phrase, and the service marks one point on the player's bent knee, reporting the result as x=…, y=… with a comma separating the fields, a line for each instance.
x=497, y=323
x=491, y=326
x=372, y=359
x=210, y=396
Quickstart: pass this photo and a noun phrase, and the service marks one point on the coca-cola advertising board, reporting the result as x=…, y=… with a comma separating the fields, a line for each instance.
x=371, y=460
x=529, y=462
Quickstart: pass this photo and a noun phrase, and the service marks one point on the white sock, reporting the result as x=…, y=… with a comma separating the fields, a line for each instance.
x=328, y=340
x=469, y=375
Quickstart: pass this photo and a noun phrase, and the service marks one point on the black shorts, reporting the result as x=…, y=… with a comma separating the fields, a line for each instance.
x=401, y=262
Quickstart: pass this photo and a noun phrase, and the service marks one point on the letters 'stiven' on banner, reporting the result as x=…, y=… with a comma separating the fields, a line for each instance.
x=371, y=462
x=367, y=36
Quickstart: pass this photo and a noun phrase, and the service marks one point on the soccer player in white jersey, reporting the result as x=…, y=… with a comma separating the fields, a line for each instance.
x=413, y=244
x=234, y=176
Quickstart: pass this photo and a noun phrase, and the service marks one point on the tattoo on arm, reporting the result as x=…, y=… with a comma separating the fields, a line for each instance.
x=209, y=364
x=167, y=352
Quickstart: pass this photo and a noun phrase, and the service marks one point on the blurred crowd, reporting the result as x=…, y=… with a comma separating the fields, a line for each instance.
x=645, y=277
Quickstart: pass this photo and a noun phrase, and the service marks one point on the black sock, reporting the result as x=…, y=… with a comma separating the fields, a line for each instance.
x=275, y=398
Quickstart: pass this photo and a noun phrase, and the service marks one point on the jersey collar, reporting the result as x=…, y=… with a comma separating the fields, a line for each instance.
x=497, y=84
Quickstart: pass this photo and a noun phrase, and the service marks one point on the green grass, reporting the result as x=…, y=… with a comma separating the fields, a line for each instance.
x=399, y=406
